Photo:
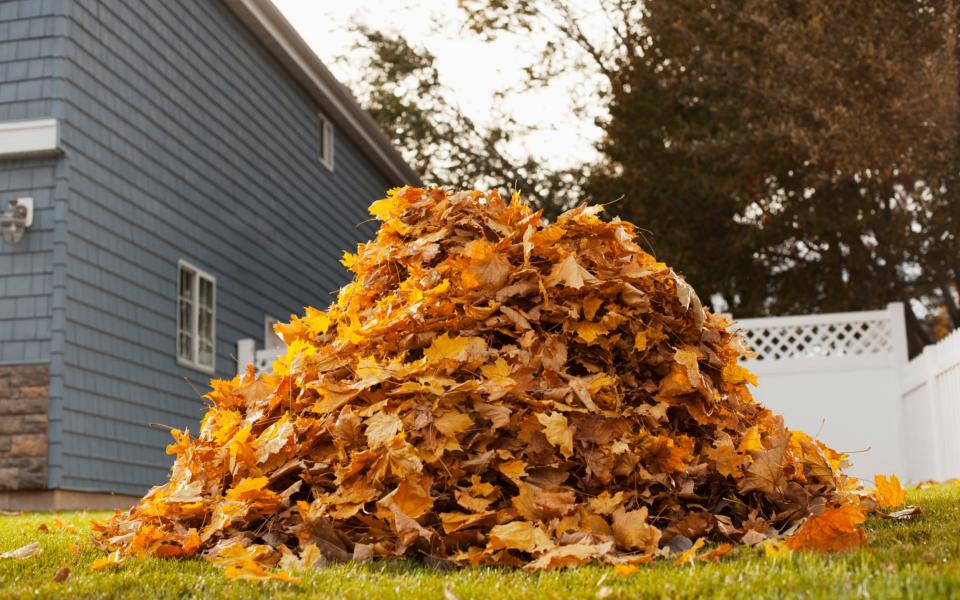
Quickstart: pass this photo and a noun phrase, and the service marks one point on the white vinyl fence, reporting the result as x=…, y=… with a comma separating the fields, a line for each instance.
x=845, y=379
x=836, y=377
x=930, y=411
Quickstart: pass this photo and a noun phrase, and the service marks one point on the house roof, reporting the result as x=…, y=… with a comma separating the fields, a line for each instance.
x=282, y=40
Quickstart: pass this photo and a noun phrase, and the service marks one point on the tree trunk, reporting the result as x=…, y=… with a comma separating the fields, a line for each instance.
x=917, y=336
x=953, y=310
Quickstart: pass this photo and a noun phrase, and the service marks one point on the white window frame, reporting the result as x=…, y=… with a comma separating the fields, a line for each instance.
x=193, y=361
x=325, y=139
x=271, y=340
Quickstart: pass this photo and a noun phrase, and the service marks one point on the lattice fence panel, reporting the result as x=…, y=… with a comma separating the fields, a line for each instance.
x=846, y=338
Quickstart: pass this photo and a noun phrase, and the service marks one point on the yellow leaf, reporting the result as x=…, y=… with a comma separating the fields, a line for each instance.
x=640, y=341
x=248, y=488
x=456, y=349
x=245, y=563
x=775, y=550
x=452, y=423
x=111, y=561
x=381, y=428
x=687, y=358
x=688, y=555
x=751, y=441
x=317, y=321
x=589, y=331
x=734, y=373
x=889, y=493
x=605, y=504
x=557, y=431
x=626, y=570
x=590, y=307
x=296, y=348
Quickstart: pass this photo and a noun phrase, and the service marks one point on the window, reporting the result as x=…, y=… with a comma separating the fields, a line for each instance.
x=271, y=340
x=196, y=318
x=326, y=142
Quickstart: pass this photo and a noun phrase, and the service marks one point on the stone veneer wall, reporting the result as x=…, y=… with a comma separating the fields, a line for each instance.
x=23, y=426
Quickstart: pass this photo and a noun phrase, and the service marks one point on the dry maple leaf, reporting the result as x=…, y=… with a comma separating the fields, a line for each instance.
x=889, y=493
x=833, y=530
x=519, y=535
x=111, y=561
x=239, y=562
x=28, y=551
x=557, y=431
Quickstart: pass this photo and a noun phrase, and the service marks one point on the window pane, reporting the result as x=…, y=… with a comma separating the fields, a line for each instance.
x=205, y=324
x=323, y=139
x=185, y=346
x=206, y=294
x=206, y=353
x=186, y=283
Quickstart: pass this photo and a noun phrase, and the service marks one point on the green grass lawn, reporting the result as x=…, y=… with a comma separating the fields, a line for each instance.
x=920, y=559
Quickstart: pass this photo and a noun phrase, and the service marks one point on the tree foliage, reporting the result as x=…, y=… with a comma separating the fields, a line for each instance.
x=788, y=157
x=401, y=88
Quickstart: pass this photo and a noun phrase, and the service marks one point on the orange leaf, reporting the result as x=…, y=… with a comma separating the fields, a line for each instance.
x=833, y=530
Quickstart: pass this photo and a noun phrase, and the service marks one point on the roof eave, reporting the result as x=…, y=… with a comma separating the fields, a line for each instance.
x=277, y=34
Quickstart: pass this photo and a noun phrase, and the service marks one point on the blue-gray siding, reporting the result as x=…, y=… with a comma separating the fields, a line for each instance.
x=184, y=139
x=31, y=41
x=26, y=269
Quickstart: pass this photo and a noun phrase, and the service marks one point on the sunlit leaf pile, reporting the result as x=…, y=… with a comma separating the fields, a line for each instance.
x=493, y=389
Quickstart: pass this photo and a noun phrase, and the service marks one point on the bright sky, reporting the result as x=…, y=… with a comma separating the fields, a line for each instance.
x=472, y=69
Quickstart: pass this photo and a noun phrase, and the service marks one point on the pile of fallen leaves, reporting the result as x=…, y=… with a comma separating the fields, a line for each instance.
x=494, y=389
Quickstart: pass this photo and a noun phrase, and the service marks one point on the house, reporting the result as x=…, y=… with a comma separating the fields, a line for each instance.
x=190, y=172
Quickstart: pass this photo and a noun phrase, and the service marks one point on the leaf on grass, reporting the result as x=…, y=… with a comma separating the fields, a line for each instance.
x=28, y=551
x=61, y=574
x=239, y=562
x=631, y=530
x=775, y=549
x=889, y=493
x=519, y=535
x=111, y=561
x=688, y=555
x=572, y=555
x=903, y=515
x=833, y=530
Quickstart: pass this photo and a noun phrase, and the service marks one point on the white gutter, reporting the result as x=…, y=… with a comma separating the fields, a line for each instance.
x=28, y=138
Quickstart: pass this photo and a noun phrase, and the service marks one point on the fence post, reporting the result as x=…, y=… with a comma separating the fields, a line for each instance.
x=246, y=353
x=929, y=358
x=898, y=333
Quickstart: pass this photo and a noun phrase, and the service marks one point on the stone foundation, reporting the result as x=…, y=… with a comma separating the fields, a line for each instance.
x=24, y=400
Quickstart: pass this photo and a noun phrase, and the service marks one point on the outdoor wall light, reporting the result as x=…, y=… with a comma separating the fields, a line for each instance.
x=16, y=219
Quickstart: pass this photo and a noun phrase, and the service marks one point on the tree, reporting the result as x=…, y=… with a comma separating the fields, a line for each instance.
x=787, y=156
x=401, y=88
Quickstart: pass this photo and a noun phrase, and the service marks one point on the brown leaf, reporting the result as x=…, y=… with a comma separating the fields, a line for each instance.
x=631, y=530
